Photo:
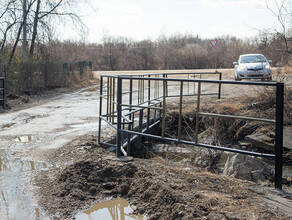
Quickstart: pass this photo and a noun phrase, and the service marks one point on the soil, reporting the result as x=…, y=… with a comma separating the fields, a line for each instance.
x=155, y=187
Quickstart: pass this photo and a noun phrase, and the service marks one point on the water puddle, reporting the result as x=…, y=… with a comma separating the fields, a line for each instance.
x=25, y=139
x=117, y=209
x=14, y=204
x=16, y=165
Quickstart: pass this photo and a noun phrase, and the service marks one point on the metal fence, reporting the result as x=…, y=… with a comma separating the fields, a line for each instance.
x=136, y=103
x=2, y=91
x=23, y=77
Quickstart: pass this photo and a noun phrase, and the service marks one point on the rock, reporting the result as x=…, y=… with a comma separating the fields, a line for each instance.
x=247, y=168
x=287, y=138
x=243, y=172
x=261, y=141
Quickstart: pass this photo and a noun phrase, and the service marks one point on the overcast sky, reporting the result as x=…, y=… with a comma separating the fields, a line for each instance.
x=149, y=19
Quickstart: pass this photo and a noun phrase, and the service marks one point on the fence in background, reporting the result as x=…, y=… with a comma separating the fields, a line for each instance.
x=23, y=77
x=136, y=103
x=2, y=91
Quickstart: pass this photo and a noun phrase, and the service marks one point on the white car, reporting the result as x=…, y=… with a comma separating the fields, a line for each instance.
x=252, y=66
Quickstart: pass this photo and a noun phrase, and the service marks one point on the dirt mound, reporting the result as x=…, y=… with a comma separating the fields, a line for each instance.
x=157, y=189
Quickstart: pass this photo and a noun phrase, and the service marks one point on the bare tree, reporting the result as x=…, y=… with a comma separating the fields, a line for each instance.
x=282, y=39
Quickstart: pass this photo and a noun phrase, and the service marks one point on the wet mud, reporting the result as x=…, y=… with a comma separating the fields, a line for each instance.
x=155, y=188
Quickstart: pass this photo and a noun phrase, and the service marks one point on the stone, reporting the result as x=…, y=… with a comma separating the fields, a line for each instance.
x=287, y=137
x=261, y=141
x=247, y=168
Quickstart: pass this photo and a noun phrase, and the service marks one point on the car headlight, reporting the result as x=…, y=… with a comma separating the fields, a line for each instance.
x=267, y=66
x=242, y=68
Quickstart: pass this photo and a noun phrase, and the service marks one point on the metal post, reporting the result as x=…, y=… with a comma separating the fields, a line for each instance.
x=219, y=89
x=107, y=97
x=197, y=113
x=149, y=97
x=279, y=135
x=163, y=108
x=180, y=110
x=119, y=117
x=100, y=109
x=113, y=103
x=130, y=126
x=110, y=99
x=140, y=128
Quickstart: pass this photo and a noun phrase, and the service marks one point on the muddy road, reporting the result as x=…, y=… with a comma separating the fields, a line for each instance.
x=28, y=136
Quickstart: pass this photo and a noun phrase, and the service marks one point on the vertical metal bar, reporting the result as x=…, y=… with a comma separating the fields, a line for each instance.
x=138, y=91
x=100, y=108
x=113, y=103
x=110, y=100
x=194, y=85
x=163, y=108
x=197, y=113
x=140, y=128
x=130, y=126
x=149, y=97
x=180, y=110
x=158, y=86
x=119, y=117
x=107, y=98
x=188, y=85
x=279, y=135
x=143, y=89
x=219, y=89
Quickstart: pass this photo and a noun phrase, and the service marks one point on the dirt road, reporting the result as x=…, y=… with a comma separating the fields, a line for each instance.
x=28, y=136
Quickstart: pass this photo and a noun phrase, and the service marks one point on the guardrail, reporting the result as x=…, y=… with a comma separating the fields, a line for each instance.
x=2, y=91
x=133, y=108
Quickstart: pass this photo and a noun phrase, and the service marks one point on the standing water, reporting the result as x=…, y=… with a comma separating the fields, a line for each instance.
x=13, y=204
x=117, y=209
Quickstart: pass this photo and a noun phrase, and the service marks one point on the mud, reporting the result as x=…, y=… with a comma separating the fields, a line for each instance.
x=155, y=188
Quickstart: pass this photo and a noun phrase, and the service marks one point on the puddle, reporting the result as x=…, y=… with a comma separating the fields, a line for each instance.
x=16, y=165
x=14, y=204
x=25, y=139
x=117, y=209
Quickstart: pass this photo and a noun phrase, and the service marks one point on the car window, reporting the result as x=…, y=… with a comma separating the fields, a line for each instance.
x=253, y=59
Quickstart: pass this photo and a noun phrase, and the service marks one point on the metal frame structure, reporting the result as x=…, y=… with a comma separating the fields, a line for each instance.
x=132, y=117
x=2, y=91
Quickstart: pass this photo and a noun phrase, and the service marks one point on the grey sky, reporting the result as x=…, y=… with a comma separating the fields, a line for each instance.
x=142, y=19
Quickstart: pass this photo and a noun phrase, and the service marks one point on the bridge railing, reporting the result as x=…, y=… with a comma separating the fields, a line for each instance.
x=136, y=103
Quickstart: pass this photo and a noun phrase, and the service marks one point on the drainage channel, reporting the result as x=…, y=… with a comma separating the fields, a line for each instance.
x=13, y=203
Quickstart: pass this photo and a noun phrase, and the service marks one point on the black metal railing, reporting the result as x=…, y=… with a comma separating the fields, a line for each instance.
x=136, y=103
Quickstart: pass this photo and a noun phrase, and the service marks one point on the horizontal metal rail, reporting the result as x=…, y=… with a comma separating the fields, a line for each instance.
x=199, y=144
x=237, y=117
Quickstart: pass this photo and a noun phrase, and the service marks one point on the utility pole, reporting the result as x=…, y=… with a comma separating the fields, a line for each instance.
x=24, y=32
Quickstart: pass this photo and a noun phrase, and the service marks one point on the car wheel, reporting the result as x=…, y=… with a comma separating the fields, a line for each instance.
x=236, y=78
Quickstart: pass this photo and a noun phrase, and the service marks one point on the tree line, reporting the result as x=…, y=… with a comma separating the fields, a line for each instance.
x=28, y=34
